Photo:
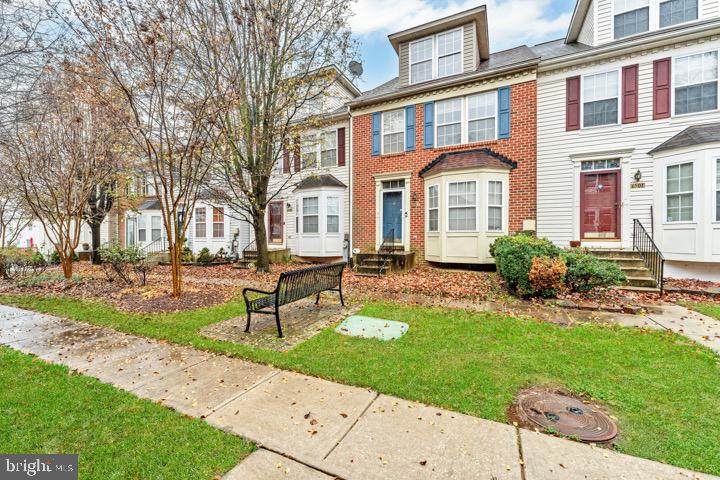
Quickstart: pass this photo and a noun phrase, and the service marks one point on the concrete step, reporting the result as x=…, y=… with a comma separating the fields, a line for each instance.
x=636, y=272
x=648, y=282
x=629, y=288
x=612, y=254
x=629, y=263
x=374, y=270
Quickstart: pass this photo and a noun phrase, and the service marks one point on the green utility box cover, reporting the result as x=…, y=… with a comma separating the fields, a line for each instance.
x=368, y=327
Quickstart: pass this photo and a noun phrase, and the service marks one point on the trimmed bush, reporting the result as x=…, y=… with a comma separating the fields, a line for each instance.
x=187, y=255
x=124, y=263
x=586, y=272
x=547, y=275
x=514, y=257
x=18, y=263
x=204, y=256
x=55, y=258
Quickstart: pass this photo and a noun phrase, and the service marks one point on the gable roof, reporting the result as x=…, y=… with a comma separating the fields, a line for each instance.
x=691, y=136
x=578, y=17
x=501, y=62
x=319, y=181
x=476, y=158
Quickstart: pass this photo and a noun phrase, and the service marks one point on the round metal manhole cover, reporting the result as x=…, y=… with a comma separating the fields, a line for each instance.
x=566, y=416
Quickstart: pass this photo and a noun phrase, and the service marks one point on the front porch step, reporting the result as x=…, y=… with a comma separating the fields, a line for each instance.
x=644, y=281
x=628, y=288
x=632, y=265
x=374, y=270
x=615, y=254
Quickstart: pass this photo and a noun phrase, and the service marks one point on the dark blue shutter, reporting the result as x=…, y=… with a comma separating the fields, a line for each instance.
x=376, y=133
x=410, y=128
x=504, y=112
x=429, y=133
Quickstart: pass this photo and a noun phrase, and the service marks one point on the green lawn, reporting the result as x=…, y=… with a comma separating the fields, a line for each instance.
x=709, y=309
x=46, y=409
x=662, y=388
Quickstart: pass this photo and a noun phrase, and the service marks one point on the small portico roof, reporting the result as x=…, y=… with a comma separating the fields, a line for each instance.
x=318, y=181
x=690, y=137
x=468, y=159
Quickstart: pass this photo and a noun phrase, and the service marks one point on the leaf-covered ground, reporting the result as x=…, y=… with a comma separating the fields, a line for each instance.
x=46, y=409
x=662, y=388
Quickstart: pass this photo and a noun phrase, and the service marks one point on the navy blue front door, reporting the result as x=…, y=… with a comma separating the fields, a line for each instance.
x=392, y=216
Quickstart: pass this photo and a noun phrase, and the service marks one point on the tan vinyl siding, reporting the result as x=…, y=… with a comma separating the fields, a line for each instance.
x=469, y=51
x=587, y=33
x=404, y=56
x=709, y=8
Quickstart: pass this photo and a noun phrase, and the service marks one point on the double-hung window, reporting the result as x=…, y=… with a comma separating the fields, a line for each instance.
x=462, y=206
x=218, y=222
x=674, y=12
x=393, y=131
x=155, y=228
x=717, y=190
x=421, y=60
x=200, y=222
x=695, y=80
x=328, y=149
x=308, y=153
x=449, y=122
x=433, y=209
x=600, y=94
x=449, y=51
x=679, y=193
x=333, y=214
x=482, y=110
x=495, y=206
x=631, y=17
x=311, y=213
x=142, y=229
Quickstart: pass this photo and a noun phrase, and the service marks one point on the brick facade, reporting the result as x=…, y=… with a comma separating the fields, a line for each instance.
x=520, y=147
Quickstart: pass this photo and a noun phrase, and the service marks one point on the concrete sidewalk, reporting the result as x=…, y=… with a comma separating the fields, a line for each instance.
x=310, y=428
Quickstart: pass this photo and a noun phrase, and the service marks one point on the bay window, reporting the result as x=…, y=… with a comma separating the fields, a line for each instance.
x=631, y=17
x=218, y=222
x=600, y=101
x=433, y=209
x=679, y=193
x=695, y=80
x=462, y=206
x=437, y=56
x=482, y=109
x=393, y=131
x=333, y=214
x=421, y=60
x=674, y=12
x=495, y=206
x=311, y=215
x=328, y=149
x=200, y=225
x=449, y=122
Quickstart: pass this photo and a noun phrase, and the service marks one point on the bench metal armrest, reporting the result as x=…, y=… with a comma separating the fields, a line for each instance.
x=253, y=290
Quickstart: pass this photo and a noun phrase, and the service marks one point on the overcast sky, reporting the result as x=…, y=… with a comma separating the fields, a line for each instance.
x=511, y=23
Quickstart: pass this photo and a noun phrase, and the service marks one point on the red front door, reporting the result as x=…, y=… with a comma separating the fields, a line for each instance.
x=600, y=205
x=275, y=222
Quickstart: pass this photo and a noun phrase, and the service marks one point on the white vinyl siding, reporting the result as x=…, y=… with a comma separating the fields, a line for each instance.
x=679, y=193
x=695, y=83
x=462, y=206
x=393, y=131
x=495, y=206
x=438, y=56
x=600, y=99
x=433, y=209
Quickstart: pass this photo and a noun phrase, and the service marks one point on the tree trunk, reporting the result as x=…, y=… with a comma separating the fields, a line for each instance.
x=67, y=266
x=95, y=232
x=175, y=262
x=263, y=260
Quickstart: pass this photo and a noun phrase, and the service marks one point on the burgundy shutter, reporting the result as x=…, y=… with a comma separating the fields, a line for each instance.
x=630, y=94
x=296, y=153
x=286, y=160
x=572, y=104
x=661, y=88
x=341, y=147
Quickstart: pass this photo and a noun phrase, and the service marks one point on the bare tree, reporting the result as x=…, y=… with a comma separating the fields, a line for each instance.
x=61, y=149
x=99, y=205
x=275, y=62
x=14, y=214
x=145, y=55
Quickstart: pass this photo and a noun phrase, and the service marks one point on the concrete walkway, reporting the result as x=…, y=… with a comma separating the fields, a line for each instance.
x=310, y=428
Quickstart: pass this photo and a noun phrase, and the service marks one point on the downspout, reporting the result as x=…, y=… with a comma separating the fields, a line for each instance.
x=350, y=186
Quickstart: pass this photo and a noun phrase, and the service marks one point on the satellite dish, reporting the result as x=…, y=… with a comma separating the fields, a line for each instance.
x=356, y=68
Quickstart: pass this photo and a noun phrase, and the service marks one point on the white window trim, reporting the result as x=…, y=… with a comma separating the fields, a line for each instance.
x=716, y=189
x=464, y=120
x=213, y=223
x=195, y=222
x=672, y=84
x=582, y=98
x=435, y=57
x=448, y=207
x=654, y=23
x=327, y=213
x=665, y=193
x=502, y=207
x=333, y=131
x=303, y=215
x=428, y=209
x=382, y=131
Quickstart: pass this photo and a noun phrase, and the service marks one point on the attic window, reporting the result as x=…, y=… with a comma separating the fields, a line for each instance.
x=437, y=56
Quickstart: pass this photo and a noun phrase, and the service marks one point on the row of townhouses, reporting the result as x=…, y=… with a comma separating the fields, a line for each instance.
x=584, y=140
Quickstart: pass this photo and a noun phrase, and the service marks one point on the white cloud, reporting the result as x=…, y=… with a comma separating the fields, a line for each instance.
x=511, y=22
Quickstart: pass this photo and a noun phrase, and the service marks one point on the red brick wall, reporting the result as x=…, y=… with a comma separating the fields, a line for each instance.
x=520, y=147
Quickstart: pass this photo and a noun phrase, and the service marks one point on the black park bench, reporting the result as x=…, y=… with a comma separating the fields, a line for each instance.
x=293, y=286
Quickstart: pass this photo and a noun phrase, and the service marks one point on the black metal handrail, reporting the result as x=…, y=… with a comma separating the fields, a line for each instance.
x=156, y=246
x=387, y=247
x=250, y=247
x=650, y=253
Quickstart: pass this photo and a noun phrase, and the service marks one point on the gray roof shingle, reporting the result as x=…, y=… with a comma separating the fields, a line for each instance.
x=558, y=48
x=318, y=181
x=691, y=136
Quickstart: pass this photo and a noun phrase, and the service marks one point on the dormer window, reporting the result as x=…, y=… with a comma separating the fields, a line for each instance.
x=637, y=16
x=437, y=56
x=631, y=17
